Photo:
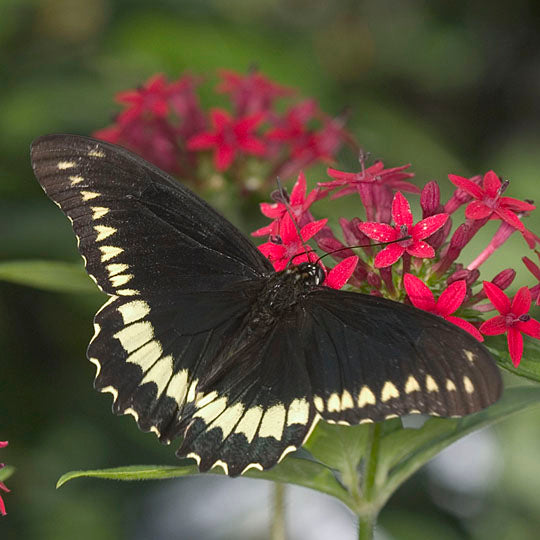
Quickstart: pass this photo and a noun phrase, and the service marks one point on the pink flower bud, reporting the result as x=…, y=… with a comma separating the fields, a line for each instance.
x=430, y=200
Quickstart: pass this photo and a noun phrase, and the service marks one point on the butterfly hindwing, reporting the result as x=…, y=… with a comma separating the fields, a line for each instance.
x=370, y=359
x=140, y=231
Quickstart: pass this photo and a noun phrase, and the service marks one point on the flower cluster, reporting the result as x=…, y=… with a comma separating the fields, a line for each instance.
x=251, y=143
x=413, y=262
x=3, y=487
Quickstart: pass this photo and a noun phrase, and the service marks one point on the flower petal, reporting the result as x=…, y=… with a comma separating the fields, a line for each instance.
x=340, y=274
x=263, y=231
x=467, y=326
x=272, y=210
x=451, y=298
x=491, y=184
x=421, y=250
x=428, y=226
x=224, y=156
x=515, y=345
x=401, y=210
x=298, y=193
x=533, y=268
x=494, y=326
x=379, y=231
x=497, y=298
x=389, y=255
x=419, y=293
x=516, y=204
x=521, y=302
x=312, y=228
x=474, y=190
x=510, y=218
x=530, y=327
x=478, y=210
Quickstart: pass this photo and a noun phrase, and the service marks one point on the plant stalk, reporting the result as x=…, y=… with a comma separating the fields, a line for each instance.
x=277, y=527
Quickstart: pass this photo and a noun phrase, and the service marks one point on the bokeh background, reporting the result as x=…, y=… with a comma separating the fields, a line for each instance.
x=448, y=86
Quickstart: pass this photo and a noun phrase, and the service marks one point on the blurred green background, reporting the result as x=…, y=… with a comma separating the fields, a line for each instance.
x=448, y=86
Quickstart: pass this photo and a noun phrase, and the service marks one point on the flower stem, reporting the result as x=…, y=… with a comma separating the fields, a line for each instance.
x=367, y=520
x=277, y=527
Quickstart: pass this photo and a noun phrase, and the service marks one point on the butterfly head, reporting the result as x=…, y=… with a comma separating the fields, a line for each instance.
x=310, y=274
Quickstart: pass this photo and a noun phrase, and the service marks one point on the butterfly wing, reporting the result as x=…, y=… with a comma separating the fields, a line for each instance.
x=370, y=358
x=140, y=231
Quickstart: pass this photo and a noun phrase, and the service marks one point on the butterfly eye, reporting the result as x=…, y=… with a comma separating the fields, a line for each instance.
x=320, y=276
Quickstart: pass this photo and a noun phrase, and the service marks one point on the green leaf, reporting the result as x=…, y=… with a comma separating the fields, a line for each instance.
x=48, y=275
x=529, y=367
x=292, y=470
x=6, y=472
x=404, y=452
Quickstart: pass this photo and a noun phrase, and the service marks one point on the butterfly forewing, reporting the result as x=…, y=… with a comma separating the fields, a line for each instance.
x=371, y=359
x=202, y=340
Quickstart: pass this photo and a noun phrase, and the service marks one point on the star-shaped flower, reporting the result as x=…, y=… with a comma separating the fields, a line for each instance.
x=3, y=487
x=449, y=301
x=229, y=137
x=514, y=319
x=291, y=243
x=403, y=220
x=298, y=205
x=488, y=201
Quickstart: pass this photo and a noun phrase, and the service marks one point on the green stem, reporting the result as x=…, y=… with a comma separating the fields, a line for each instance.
x=277, y=527
x=368, y=518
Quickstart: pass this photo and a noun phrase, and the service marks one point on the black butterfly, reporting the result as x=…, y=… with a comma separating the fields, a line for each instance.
x=202, y=339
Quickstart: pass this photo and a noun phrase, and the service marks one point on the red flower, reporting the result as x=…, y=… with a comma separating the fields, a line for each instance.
x=293, y=125
x=340, y=274
x=252, y=93
x=403, y=219
x=514, y=319
x=489, y=201
x=298, y=206
x=449, y=301
x=291, y=243
x=229, y=137
x=3, y=487
x=535, y=271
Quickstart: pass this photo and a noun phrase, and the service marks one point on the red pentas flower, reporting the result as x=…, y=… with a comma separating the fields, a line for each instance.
x=514, y=319
x=291, y=243
x=403, y=220
x=489, y=202
x=449, y=301
x=298, y=205
x=229, y=137
x=535, y=271
x=3, y=487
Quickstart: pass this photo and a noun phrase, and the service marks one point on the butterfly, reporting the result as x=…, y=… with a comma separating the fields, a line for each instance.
x=202, y=340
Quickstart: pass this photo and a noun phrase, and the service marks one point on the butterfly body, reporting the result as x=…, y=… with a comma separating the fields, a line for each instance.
x=202, y=340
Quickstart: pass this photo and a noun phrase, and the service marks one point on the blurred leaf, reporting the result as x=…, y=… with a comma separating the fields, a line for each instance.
x=6, y=472
x=302, y=472
x=529, y=367
x=48, y=275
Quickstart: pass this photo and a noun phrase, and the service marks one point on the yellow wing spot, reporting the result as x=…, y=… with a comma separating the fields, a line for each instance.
x=272, y=422
x=103, y=232
x=415, y=411
x=76, y=180
x=177, y=388
x=110, y=390
x=450, y=386
x=346, y=401
x=319, y=403
x=228, y=419
x=128, y=292
x=389, y=416
x=411, y=385
x=134, y=311
x=431, y=385
x=146, y=356
x=155, y=430
x=287, y=450
x=366, y=397
x=389, y=391
x=116, y=268
x=63, y=165
x=311, y=428
x=96, y=153
x=195, y=456
x=366, y=421
x=160, y=374
x=88, y=195
x=109, y=252
x=204, y=400
x=470, y=356
x=120, y=279
x=212, y=410
x=256, y=466
x=99, y=211
x=469, y=386
x=250, y=423
x=132, y=412
x=333, y=404
x=135, y=335
x=222, y=464
x=298, y=412
x=96, y=363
